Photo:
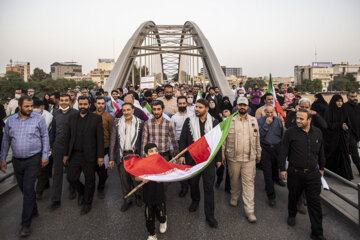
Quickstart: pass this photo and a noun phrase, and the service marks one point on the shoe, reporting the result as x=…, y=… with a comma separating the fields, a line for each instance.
x=280, y=182
x=35, y=215
x=72, y=195
x=163, y=227
x=85, y=209
x=193, y=206
x=125, y=206
x=138, y=201
x=212, y=222
x=291, y=221
x=39, y=196
x=233, y=203
x=272, y=202
x=101, y=193
x=80, y=199
x=24, y=231
x=317, y=237
x=154, y=237
x=54, y=205
x=251, y=218
x=183, y=192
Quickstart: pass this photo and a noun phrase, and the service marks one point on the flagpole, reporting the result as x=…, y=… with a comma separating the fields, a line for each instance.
x=143, y=183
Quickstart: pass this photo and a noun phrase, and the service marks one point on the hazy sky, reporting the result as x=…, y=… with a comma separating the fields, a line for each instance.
x=260, y=36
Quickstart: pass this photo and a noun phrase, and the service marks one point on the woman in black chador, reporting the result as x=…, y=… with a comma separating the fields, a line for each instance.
x=336, y=139
x=320, y=105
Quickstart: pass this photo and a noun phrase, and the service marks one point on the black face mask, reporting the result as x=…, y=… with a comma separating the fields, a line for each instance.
x=182, y=109
x=168, y=96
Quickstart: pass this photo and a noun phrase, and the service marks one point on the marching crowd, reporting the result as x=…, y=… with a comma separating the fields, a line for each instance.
x=88, y=131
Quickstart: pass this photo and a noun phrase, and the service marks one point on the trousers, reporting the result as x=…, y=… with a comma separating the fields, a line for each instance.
x=102, y=172
x=269, y=158
x=151, y=211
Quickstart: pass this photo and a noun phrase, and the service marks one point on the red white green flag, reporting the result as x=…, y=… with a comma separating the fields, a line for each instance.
x=113, y=106
x=203, y=151
x=199, y=96
x=277, y=106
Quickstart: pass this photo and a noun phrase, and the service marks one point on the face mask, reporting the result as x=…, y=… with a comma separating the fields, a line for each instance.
x=190, y=100
x=64, y=109
x=212, y=106
x=37, y=110
x=241, y=95
x=182, y=109
x=17, y=96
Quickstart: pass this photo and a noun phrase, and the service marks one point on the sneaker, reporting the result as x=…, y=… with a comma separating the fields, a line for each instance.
x=212, y=222
x=251, y=218
x=152, y=237
x=163, y=227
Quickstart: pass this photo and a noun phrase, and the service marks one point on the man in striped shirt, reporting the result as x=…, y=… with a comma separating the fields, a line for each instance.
x=160, y=131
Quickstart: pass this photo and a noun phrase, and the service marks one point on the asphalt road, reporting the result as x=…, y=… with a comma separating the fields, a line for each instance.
x=105, y=221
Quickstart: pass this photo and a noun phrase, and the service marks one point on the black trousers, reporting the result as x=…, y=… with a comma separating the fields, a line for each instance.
x=26, y=171
x=354, y=152
x=299, y=181
x=128, y=182
x=77, y=164
x=220, y=175
x=152, y=210
x=43, y=179
x=208, y=176
x=269, y=158
x=102, y=172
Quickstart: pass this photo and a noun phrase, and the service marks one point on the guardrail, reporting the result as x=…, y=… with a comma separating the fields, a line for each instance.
x=7, y=175
x=343, y=197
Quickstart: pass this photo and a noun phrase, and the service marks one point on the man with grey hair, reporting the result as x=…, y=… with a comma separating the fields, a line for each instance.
x=129, y=98
x=352, y=108
x=305, y=103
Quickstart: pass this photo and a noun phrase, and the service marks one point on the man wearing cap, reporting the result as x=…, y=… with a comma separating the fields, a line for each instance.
x=242, y=151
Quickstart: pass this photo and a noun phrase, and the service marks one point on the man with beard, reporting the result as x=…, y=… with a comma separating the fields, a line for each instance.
x=138, y=112
x=31, y=93
x=281, y=94
x=107, y=122
x=178, y=119
x=54, y=102
x=126, y=140
x=73, y=99
x=84, y=148
x=13, y=104
x=304, y=149
x=27, y=134
x=353, y=110
x=160, y=131
x=148, y=96
x=57, y=142
x=193, y=129
x=242, y=151
x=169, y=101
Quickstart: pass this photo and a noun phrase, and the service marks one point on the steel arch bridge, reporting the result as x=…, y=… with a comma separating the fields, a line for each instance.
x=174, y=46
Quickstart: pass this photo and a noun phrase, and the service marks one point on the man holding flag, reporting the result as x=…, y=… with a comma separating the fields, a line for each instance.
x=276, y=103
x=114, y=105
x=194, y=128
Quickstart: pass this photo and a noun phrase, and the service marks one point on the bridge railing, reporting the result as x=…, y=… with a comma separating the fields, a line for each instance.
x=342, y=196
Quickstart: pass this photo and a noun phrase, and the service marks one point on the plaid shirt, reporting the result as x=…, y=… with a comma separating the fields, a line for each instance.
x=26, y=137
x=160, y=134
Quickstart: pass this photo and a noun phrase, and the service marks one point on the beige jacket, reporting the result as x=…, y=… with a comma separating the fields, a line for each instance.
x=234, y=149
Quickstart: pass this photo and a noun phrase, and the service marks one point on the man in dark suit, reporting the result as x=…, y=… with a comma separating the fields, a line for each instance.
x=84, y=146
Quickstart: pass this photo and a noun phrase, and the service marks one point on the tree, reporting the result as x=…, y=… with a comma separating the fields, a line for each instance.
x=13, y=76
x=346, y=83
x=251, y=82
x=39, y=75
x=310, y=86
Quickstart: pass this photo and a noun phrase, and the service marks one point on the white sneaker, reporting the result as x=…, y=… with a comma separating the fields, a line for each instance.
x=152, y=237
x=163, y=227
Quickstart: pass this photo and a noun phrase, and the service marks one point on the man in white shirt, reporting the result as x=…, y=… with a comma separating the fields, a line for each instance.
x=13, y=104
x=190, y=102
x=178, y=119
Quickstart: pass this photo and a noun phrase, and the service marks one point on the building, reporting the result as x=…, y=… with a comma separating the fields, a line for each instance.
x=232, y=71
x=21, y=67
x=65, y=70
x=326, y=72
x=100, y=74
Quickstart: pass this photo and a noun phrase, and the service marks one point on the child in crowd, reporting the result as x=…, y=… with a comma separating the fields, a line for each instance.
x=289, y=96
x=154, y=199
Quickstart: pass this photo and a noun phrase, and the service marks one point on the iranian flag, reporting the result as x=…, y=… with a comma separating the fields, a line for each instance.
x=147, y=110
x=113, y=106
x=277, y=106
x=199, y=96
x=203, y=151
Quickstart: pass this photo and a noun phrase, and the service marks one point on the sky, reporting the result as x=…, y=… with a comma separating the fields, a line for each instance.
x=260, y=36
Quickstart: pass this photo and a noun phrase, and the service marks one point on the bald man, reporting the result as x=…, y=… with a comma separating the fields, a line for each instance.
x=129, y=98
x=271, y=132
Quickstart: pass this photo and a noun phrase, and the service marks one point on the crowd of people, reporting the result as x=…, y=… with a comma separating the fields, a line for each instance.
x=86, y=131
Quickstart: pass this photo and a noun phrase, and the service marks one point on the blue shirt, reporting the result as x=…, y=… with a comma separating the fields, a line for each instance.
x=119, y=103
x=270, y=133
x=26, y=137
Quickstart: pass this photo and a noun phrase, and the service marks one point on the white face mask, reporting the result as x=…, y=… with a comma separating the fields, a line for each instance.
x=17, y=96
x=190, y=100
x=37, y=110
x=241, y=95
x=64, y=109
